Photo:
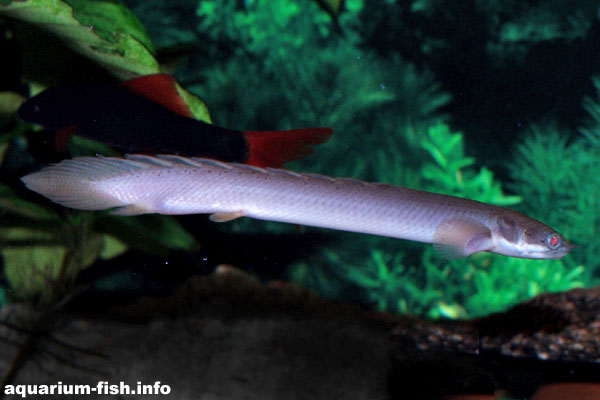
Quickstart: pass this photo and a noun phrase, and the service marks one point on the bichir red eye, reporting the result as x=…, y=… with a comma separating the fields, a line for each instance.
x=553, y=241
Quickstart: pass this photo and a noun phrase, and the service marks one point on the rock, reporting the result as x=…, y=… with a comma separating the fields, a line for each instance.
x=229, y=336
x=225, y=336
x=551, y=338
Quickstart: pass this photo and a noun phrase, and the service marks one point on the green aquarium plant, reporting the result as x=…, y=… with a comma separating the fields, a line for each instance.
x=425, y=284
x=511, y=29
x=44, y=250
x=285, y=64
x=468, y=288
x=385, y=112
x=118, y=41
x=553, y=169
x=311, y=74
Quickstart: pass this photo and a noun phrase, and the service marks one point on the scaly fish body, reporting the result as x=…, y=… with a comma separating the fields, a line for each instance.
x=176, y=185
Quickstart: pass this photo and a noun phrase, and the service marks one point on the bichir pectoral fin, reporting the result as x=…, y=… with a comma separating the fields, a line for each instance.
x=460, y=237
x=130, y=210
x=226, y=216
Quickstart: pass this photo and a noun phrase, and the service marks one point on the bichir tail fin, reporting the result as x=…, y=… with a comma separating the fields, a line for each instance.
x=74, y=183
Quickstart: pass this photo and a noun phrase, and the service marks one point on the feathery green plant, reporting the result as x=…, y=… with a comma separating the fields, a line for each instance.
x=428, y=285
x=385, y=126
x=452, y=173
x=322, y=78
x=511, y=29
x=556, y=173
x=283, y=64
x=469, y=288
x=43, y=250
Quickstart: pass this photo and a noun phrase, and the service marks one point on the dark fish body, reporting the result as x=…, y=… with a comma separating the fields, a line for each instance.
x=130, y=122
x=147, y=115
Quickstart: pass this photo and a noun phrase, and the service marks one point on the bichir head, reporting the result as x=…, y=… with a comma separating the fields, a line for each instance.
x=518, y=235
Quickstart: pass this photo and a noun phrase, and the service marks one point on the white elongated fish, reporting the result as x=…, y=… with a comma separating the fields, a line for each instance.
x=140, y=184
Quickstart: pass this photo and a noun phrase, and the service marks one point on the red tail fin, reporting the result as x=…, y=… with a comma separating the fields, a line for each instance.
x=275, y=148
x=161, y=89
x=63, y=137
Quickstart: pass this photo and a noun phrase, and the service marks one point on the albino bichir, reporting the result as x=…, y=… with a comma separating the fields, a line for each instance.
x=140, y=184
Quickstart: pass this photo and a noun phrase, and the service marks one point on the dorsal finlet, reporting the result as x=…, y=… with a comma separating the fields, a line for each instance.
x=194, y=161
x=214, y=163
x=321, y=177
x=102, y=162
x=251, y=168
x=94, y=168
x=354, y=181
x=149, y=160
x=285, y=171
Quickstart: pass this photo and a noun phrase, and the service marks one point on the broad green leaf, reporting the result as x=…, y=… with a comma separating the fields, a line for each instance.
x=31, y=270
x=11, y=203
x=80, y=147
x=107, y=33
x=26, y=235
x=35, y=269
x=3, y=297
x=108, y=19
x=197, y=106
x=8, y=134
x=113, y=247
x=86, y=254
x=10, y=102
x=154, y=234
